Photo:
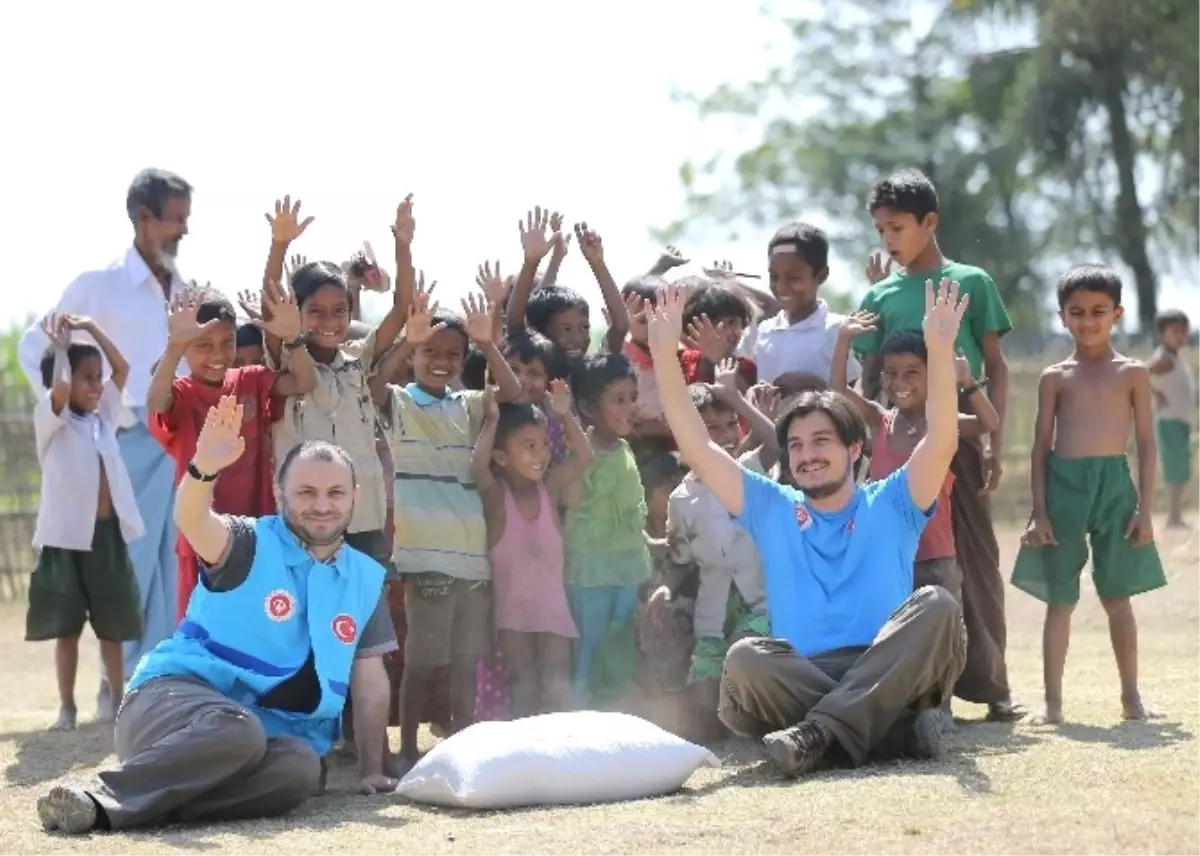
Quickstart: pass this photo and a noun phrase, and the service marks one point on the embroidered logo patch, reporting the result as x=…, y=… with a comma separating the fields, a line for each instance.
x=280, y=605
x=803, y=518
x=850, y=526
x=344, y=628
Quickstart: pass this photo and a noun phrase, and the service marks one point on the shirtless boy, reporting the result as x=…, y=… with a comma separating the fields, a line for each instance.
x=1082, y=488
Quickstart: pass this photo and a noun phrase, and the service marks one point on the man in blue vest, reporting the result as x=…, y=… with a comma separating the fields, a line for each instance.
x=230, y=717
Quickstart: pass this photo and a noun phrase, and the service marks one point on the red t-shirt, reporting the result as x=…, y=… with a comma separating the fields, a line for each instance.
x=937, y=541
x=696, y=370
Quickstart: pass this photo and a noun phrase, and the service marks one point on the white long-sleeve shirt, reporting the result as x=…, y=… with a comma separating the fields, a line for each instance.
x=131, y=308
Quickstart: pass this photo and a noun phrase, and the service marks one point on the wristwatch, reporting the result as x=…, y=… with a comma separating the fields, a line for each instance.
x=197, y=475
x=972, y=389
x=298, y=342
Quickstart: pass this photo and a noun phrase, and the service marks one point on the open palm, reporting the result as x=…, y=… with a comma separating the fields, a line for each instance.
x=220, y=442
x=943, y=314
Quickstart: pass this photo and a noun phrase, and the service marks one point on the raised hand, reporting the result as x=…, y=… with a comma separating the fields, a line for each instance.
x=286, y=225
x=665, y=322
x=220, y=442
x=879, y=267
x=420, y=284
x=405, y=225
x=589, y=244
x=943, y=315
x=766, y=398
x=726, y=374
x=709, y=339
x=283, y=314
x=251, y=304
x=56, y=330
x=370, y=276
x=670, y=257
x=491, y=405
x=558, y=240
x=534, y=241
x=558, y=397
x=494, y=286
x=296, y=262
x=76, y=322
x=478, y=311
x=859, y=322
x=635, y=307
x=420, y=328
x=182, y=326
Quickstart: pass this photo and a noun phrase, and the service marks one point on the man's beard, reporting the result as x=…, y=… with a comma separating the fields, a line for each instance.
x=822, y=490
x=167, y=258
x=310, y=538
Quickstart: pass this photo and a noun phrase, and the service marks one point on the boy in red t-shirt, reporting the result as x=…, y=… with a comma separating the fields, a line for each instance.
x=202, y=329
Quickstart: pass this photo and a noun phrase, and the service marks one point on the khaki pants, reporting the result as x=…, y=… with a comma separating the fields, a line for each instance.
x=865, y=697
x=188, y=753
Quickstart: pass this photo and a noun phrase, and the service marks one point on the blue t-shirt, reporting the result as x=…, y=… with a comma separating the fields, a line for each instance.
x=833, y=578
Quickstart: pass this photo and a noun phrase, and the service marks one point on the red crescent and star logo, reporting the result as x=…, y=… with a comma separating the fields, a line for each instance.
x=345, y=628
x=803, y=518
x=280, y=605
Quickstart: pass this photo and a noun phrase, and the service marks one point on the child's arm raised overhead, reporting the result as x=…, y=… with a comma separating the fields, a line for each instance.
x=418, y=331
x=282, y=320
x=618, y=317
x=561, y=479
x=116, y=360
x=855, y=324
x=389, y=328
x=1040, y=532
x=481, y=458
x=480, y=329
x=286, y=226
x=560, y=243
x=496, y=290
x=1141, y=527
x=762, y=430
x=669, y=258
x=220, y=444
x=984, y=420
x=712, y=465
x=930, y=460
x=534, y=245
x=55, y=328
x=182, y=330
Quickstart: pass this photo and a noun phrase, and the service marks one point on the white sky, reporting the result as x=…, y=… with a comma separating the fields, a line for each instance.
x=480, y=109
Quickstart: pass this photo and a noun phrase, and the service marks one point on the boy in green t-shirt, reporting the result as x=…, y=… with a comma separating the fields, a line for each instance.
x=904, y=207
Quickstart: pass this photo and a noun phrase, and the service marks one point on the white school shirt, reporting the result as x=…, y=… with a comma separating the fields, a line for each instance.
x=806, y=346
x=129, y=305
x=1177, y=387
x=70, y=449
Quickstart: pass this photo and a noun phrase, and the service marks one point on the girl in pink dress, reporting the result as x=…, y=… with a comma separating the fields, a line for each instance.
x=521, y=495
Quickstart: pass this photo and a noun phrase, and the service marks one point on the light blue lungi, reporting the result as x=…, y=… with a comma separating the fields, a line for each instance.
x=152, y=473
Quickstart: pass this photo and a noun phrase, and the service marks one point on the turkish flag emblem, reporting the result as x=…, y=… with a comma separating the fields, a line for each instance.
x=344, y=628
x=803, y=518
x=280, y=605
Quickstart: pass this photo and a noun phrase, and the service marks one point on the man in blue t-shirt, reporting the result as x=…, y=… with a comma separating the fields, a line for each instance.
x=859, y=660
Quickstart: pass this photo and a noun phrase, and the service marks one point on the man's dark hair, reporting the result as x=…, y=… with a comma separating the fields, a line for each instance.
x=907, y=191
x=805, y=240
x=151, y=188
x=1097, y=278
x=316, y=450
x=645, y=286
x=703, y=398
x=515, y=415
x=311, y=277
x=595, y=374
x=717, y=301
x=848, y=424
x=546, y=302
x=1169, y=318
x=474, y=370
x=906, y=342
x=77, y=352
x=249, y=336
x=529, y=345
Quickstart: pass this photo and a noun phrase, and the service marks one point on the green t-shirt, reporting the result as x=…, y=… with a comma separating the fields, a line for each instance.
x=899, y=301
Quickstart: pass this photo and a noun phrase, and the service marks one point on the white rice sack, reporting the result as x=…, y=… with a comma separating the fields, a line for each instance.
x=554, y=759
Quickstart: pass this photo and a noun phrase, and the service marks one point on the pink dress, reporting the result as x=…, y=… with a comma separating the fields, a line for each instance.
x=528, y=594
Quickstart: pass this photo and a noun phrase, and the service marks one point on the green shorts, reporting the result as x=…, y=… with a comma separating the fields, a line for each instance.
x=1088, y=499
x=1175, y=450
x=69, y=588
x=708, y=656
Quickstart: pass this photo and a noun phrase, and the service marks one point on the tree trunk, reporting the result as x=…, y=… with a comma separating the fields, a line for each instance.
x=1129, y=230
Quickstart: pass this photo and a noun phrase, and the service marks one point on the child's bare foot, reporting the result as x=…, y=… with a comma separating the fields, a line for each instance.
x=65, y=721
x=397, y=766
x=1133, y=708
x=1050, y=714
x=106, y=711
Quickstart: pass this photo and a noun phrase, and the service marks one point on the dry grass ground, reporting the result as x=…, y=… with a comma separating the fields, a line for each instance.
x=1095, y=785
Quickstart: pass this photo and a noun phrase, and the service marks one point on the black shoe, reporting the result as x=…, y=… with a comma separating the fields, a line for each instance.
x=796, y=750
x=925, y=736
x=68, y=810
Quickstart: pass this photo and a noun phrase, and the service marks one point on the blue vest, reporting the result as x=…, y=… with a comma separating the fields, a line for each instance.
x=246, y=641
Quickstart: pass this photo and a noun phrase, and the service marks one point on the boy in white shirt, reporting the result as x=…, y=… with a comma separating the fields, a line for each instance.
x=87, y=511
x=794, y=348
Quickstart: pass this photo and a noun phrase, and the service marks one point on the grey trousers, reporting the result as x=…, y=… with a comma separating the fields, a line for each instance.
x=188, y=753
x=865, y=697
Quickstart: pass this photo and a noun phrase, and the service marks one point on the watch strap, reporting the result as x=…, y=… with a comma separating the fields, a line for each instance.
x=197, y=475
